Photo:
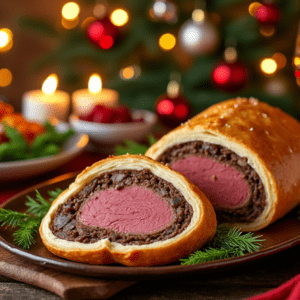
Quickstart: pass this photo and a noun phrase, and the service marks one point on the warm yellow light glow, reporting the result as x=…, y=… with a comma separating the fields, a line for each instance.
x=280, y=59
x=100, y=10
x=50, y=84
x=268, y=66
x=70, y=10
x=69, y=24
x=87, y=22
x=128, y=73
x=267, y=30
x=5, y=77
x=6, y=39
x=95, y=83
x=167, y=41
x=198, y=15
x=253, y=7
x=296, y=61
x=230, y=54
x=119, y=17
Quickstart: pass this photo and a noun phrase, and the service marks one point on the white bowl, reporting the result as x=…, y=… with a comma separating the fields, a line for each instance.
x=114, y=133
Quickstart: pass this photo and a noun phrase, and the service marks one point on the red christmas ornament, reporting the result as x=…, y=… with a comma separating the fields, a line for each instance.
x=172, y=111
x=268, y=14
x=103, y=33
x=230, y=77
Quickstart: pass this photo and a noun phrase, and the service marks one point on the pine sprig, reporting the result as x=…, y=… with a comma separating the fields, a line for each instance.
x=133, y=147
x=11, y=218
x=28, y=223
x=54, y=194
x=38, y=207
x=227, y=243
x=25, y=235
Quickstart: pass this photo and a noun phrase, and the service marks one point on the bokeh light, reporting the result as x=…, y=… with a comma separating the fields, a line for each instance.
x=280, y=59
x=230, y=54
x=119, y=17
x=70, y=11
x=165, y=107
x=5, y=77
x=253, y=7
x=167, y=41
x=100, y=10
x=267, y=31
x=87, y=22
x=297, y=61
x=69, y=24
x=130, y=72
x=6, y=39
x=198, y=15
x=268, y=66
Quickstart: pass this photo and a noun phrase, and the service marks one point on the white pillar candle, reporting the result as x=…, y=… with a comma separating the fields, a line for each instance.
x=38, y=106
x=41, y=105
x=83, y=101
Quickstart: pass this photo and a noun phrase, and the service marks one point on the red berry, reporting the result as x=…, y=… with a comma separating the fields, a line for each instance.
x=102, y=114
x=122, y=115
x=139, y=120
x=88, y=117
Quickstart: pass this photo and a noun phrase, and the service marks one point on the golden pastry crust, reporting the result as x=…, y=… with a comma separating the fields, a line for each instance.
x=201, y=229
x=268, y=137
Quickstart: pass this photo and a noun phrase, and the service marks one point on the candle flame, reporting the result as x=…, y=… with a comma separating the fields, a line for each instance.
x=50, y=84
x=95, y=83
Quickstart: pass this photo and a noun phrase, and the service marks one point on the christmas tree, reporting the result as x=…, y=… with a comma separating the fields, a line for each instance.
x=221, y=48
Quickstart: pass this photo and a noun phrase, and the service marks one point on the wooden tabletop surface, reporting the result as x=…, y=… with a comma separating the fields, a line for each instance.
x=236, y=284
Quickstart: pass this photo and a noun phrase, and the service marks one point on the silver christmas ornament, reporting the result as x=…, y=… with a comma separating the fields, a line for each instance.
x=198, y=36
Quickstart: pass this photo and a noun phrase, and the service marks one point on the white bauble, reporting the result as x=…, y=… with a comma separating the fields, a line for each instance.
x=198, y=38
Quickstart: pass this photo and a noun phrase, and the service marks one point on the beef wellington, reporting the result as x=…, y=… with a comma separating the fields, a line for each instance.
x=130, y=210
x=244, y=155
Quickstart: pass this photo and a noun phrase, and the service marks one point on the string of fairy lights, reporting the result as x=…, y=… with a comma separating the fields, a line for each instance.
x=70, y=13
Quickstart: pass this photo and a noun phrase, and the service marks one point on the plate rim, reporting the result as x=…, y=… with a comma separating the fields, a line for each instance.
x=133, y=273
x=23, y=162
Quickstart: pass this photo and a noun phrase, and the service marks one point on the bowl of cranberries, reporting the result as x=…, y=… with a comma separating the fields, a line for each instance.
x=110, y=126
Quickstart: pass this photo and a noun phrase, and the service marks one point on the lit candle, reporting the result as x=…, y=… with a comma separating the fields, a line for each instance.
x=41, y=105
x=84, y=100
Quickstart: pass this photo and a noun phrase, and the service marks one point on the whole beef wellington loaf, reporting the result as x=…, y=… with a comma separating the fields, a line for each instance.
x=130, y=210
x=244, y=155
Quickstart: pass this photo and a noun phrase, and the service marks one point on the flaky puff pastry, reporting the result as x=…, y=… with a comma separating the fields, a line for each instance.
x=265, y=135
x=201, y=229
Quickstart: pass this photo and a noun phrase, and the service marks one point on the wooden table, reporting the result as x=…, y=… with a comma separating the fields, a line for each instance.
x=237, y=284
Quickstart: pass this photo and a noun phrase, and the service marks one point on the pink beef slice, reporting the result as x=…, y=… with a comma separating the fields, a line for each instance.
x=132, y=209
x=223, y=185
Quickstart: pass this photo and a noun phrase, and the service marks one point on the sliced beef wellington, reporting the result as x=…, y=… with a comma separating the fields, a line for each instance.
x=244, y=155
x=130, y=210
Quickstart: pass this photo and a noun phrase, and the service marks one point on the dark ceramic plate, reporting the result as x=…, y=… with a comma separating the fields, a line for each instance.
x=281, y=235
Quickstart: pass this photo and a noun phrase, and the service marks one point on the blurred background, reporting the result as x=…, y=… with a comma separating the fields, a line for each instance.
x=215, y=49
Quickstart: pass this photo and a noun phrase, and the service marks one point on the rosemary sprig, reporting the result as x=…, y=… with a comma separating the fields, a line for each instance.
x=29, y=222
x=227, y=243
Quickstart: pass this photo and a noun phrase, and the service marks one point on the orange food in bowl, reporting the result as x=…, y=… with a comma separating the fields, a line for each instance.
x=29, y=130
x=5, y=109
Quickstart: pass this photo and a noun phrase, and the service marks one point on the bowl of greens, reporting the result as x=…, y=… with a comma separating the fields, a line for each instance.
x=55, y=146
